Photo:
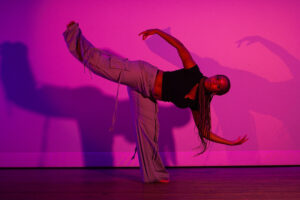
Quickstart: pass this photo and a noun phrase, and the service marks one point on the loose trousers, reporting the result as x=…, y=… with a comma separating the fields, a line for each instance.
x=139, y=76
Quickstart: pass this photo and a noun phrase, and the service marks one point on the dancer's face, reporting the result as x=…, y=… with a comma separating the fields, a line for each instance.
x=216, y=84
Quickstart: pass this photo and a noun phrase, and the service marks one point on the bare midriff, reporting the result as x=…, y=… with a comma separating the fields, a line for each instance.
x=157, y=89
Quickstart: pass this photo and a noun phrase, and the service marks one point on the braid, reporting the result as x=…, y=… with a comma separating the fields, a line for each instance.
x=204, y=123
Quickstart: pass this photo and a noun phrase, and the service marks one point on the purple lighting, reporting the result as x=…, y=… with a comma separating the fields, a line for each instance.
x=53, y=113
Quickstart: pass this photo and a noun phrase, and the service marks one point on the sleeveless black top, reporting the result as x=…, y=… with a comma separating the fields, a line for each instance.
x=176, y=84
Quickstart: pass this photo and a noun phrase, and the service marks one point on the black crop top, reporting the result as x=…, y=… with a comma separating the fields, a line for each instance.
x=176, y=84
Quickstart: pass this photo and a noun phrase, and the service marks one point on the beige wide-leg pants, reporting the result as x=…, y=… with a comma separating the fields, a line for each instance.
x=139, y=76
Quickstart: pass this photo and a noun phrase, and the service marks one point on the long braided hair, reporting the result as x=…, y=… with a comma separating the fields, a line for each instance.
x=204, y=121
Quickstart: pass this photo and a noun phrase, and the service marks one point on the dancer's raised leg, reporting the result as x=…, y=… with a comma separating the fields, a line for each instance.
x=138, y=75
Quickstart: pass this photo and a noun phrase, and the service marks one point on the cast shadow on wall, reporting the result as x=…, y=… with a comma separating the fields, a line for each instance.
x=248, y=93
x=88, y=106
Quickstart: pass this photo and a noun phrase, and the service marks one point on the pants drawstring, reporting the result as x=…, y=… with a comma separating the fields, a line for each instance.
x=116, y=105
x=156, y=135
x=134, y=152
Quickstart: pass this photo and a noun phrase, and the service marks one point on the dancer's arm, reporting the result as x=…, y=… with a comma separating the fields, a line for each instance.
x=215, y=138
x=184, y=54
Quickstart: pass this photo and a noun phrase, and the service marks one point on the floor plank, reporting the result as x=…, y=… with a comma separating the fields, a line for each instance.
x=125, y=183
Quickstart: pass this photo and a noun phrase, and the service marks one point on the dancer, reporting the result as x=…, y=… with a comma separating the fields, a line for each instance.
x=186, y=88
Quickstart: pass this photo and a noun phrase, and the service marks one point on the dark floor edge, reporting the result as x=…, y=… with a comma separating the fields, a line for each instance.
x=232, y=166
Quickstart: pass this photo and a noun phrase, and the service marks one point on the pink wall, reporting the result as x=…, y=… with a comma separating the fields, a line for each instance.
x=55, y=114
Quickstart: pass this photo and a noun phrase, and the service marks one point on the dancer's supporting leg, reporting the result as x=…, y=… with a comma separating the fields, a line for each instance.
x=147, y=129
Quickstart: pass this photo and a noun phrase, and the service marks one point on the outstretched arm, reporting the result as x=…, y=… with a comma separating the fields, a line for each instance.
x=215, y=138
x=184, y=54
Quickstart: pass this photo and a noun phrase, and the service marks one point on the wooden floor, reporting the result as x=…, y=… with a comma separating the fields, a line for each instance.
x=119, y=183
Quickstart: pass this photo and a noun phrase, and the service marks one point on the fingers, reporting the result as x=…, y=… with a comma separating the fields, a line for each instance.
x=142, y=33
x=244, y=139
x=146, y=33
x=144, y=37
x=240, y=140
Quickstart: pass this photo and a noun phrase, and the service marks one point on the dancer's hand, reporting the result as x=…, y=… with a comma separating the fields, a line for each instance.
x=239, y=140
x=70, y=24
x=148, y=32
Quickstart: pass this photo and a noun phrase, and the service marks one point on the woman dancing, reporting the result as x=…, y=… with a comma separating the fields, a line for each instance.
x=186, y=88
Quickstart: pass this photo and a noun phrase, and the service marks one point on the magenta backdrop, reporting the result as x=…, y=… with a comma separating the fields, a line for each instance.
x=55, y=114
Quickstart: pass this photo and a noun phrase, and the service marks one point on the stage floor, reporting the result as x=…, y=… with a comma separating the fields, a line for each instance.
x=125, y=183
